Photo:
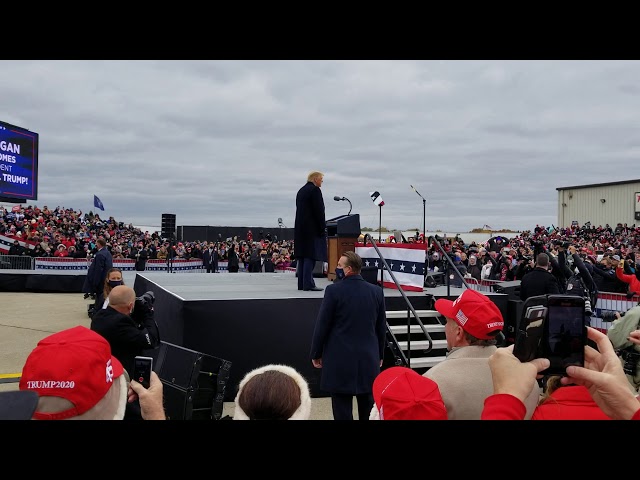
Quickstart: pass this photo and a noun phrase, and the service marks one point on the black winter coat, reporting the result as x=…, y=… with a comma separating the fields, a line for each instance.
x=126, y=336
x=309, y=236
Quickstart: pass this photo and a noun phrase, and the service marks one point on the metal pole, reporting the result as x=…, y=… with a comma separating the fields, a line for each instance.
x=380, y=225
x=424, y=240
x=424, y=219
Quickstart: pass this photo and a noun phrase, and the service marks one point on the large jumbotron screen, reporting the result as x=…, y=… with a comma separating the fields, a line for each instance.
x=18, y=163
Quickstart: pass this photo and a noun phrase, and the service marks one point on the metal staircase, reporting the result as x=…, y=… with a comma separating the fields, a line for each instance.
x=410, y=341
x=407, y=344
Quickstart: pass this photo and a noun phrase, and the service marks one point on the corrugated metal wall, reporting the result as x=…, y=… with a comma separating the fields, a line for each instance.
x=585, y=205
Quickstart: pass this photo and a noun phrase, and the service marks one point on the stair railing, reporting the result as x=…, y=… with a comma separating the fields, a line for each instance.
x=450, y=265
x=398, y=351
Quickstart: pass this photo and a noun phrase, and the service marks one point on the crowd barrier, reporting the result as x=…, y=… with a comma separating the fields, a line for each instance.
x=125, y=264
x=482, y=285
x=16, y=262
x=608, y=303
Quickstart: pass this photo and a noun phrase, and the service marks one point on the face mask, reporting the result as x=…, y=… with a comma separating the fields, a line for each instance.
x=115, y=283
x=340, y=273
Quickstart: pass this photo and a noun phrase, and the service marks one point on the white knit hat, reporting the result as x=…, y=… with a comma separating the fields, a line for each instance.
x=302, y=412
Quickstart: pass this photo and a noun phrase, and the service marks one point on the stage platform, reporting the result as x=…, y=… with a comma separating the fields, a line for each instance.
x=249, y=319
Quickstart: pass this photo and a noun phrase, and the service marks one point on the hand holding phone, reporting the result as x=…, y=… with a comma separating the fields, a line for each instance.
x=142, y=367
x=565, y=334
x=557, y=332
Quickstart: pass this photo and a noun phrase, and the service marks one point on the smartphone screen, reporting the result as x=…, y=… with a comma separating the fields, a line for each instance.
x=565, y=334
x=530, y=333
x=142, y=370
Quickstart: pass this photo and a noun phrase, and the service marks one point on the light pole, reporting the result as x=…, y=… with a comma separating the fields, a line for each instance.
x=424, y=229
x=424, y=213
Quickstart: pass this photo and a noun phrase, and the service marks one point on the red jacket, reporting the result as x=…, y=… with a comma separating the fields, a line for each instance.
x=503, y=406
x=573, y=402
x=632, y=280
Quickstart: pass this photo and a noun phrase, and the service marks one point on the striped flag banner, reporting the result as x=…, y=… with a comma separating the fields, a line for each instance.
x=61, y=263
x=7, y=241
x=406, y=261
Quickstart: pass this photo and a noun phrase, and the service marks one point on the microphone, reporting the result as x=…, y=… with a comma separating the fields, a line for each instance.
x=414, y=189
x=338, y=199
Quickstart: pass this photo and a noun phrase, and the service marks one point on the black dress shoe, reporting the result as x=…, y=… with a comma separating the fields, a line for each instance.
x=314, y=289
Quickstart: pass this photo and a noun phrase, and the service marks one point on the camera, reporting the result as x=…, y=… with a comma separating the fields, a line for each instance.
x=610, y=315
x=630, y=358
x=146, y=299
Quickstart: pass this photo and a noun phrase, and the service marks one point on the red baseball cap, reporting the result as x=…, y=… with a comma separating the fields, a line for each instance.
x=474, y=312
x=76, y=365
x=401, y=393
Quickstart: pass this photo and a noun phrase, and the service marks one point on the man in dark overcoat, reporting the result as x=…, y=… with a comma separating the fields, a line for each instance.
x=348, y=339
x=309, y=235
x=94, y=281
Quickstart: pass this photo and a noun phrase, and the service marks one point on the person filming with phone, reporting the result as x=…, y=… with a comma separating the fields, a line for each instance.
x=128, y=324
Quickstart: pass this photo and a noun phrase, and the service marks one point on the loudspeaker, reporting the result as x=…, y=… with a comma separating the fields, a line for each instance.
x=318, y=269
x=512, y=289
x=371, y=274
x=168, y=225
x=193, y=382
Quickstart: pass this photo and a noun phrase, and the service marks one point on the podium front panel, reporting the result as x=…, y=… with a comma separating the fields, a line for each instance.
x=336, y=247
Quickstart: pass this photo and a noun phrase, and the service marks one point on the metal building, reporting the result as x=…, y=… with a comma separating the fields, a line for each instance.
x=600, y=203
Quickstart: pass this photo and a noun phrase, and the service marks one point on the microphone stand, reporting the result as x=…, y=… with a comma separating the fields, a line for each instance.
x=424, y=229
x=350, y=206
x=380, y=225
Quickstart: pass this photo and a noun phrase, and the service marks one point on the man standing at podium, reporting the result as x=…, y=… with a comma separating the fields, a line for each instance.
x=309, y=235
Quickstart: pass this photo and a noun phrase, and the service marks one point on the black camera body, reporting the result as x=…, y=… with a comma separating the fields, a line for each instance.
x=147, y=299
x=630, y=357
x=610, y=315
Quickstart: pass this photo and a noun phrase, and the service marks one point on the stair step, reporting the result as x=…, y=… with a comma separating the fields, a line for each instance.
x=421, y=314
x=425, y=362
x=402, y=329
x=423, y=344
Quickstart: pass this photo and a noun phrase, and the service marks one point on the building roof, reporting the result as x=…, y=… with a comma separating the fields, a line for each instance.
x=623, y=182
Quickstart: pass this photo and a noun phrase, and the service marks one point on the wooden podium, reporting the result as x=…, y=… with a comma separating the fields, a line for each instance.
x=342, y=235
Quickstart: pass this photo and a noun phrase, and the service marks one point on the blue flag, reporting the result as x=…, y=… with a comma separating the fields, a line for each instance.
x=97, y=203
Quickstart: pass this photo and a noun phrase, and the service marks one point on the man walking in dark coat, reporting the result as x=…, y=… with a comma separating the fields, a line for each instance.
x=309, y=238
x=94, y=281
x=539, y=281
x=348, y=339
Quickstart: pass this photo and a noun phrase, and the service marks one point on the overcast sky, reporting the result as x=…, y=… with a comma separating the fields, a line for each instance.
x=231, y=142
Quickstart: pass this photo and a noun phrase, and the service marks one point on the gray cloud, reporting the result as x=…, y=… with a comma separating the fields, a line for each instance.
x=230, y=142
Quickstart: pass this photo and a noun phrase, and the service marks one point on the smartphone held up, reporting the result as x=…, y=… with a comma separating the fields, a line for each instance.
x=142, y=367
x=556, y=331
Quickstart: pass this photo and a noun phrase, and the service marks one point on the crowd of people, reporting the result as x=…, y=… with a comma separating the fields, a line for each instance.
x=68, y=233
x=477, y=380
x=609, y=257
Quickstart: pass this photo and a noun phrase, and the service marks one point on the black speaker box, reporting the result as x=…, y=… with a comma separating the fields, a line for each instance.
x=193, y=382
x=168, y=225
x=371, y=274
